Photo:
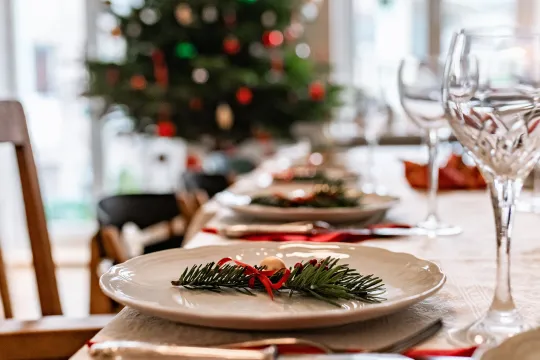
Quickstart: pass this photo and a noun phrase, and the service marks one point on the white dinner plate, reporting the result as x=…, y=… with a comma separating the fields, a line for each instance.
x=370, y=205
x=525, y=346
x=144, y=283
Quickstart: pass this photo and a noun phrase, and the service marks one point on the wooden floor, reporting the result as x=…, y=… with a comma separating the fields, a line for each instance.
x=73, y=282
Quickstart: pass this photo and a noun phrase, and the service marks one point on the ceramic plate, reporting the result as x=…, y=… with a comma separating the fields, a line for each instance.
x=524, y=346
x=143, y=283
x=370, y=205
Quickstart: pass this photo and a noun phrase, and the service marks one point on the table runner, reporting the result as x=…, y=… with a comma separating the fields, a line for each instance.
x=467, y=259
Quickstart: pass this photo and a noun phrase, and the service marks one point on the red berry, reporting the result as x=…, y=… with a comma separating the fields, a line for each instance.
x=313, y=262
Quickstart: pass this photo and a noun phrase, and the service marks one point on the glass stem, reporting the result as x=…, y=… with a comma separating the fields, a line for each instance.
x=371, y=146
x=433, y=169
x=504, y=193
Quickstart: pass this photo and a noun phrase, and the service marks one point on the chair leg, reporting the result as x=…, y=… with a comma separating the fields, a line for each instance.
x=99, y=303
x=4, y=290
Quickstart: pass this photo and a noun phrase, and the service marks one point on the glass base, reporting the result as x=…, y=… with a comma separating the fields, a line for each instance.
x=490, y=330
x=433, y=227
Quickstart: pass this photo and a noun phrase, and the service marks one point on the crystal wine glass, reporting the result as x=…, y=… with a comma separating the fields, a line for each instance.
x=491, y=92
x=420, y=82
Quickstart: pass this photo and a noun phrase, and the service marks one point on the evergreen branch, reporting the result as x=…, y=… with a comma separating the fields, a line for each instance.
x=325, y=280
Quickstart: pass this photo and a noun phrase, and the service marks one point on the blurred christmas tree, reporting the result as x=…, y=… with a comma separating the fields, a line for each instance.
x=224, y=68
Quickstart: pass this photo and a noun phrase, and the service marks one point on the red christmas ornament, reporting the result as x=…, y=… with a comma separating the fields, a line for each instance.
x=231, y=45
x=166, y=129
x=195, y=104
x=112, y=76
x=244, y=95
x=316, y=91
x=272, y=38
x=138, y=82
x=193, y=163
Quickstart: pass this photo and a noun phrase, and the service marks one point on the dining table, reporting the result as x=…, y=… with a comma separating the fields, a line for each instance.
x=467, y=259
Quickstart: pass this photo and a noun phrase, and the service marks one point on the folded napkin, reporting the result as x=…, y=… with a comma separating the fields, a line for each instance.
x=412, y=353
x=456, y=175
x=338, y=236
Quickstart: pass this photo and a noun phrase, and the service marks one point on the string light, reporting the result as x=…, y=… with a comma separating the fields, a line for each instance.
x=149, y=16
x=268, y=18
x=302, y=50
x=231, y=45
x=183, y=14
x=309, y=11
x=209, y=14
x=256, y=49
x=133, y=29
x=224, y=116
x=138, y=82
x=200, y=75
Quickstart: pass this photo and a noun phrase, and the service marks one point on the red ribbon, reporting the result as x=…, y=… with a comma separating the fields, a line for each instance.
x=262, y=275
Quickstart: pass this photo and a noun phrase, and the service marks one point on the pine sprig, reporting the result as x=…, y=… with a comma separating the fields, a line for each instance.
x=325, y=280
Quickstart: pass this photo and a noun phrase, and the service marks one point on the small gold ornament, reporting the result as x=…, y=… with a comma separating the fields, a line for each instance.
x=224, y=117
x=273, y=263
x=183, y=14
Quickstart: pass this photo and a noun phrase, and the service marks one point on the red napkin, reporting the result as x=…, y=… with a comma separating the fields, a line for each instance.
x=341, y=236
x=412, y=353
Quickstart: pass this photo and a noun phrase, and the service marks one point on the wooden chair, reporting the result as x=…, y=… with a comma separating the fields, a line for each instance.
x=52, y=336
x=210, y=183
x=156, y=214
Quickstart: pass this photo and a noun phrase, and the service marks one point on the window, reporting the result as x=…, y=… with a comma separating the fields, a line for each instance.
x=381, y=32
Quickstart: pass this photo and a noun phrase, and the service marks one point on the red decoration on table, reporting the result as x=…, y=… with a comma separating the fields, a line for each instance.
x=161, y=72
x=262, y=275
x=244, y=95
x=166, y=128
x=338, y=236
x=231, y=45
x=138, y=82
x=316, y=91
x=454, y=176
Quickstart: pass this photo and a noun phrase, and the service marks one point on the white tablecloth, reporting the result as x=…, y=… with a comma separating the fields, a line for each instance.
x=467, y=259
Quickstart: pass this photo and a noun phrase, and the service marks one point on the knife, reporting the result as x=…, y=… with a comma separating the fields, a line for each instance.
x=241, y=230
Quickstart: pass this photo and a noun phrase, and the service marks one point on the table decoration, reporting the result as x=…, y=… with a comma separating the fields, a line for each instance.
x=323, y=279
x=456, y=175
x=144, y=283
x=490, y=92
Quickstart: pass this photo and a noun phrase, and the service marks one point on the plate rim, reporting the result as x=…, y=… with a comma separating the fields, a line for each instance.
x=189, y=315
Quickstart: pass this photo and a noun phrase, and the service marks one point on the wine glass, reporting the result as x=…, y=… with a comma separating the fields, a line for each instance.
x=420, y=82
x=373, y=123
x=491, y=93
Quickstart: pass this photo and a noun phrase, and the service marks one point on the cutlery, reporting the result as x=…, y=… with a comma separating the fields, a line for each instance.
x=143, y=350
x=310, y=228
x=241, y=350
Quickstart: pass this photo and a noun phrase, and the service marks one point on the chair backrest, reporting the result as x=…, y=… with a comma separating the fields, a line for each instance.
x=13, y=129
x=210, y=183
x=143, y=210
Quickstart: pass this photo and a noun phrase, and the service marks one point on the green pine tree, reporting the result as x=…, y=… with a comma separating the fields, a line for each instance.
x=223, y=68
